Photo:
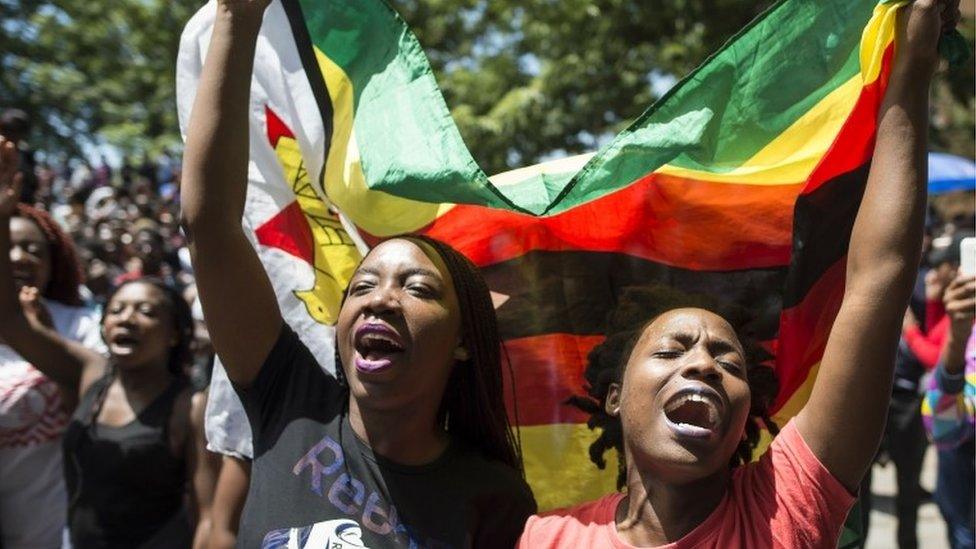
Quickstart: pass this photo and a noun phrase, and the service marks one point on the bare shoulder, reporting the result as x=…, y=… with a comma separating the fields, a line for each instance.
x=91, y=372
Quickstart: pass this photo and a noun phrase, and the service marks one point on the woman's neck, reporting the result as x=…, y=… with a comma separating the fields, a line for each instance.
x=656, y=512
x=147, y=379
x=406, y=436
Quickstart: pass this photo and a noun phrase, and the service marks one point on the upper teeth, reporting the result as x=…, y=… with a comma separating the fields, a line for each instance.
x=695, y=397
x=380, y=337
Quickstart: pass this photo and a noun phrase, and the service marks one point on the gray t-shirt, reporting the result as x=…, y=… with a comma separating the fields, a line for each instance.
x=314, y=483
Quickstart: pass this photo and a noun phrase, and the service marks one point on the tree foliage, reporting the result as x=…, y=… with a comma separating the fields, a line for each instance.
x=91, y=72
x=525, y=79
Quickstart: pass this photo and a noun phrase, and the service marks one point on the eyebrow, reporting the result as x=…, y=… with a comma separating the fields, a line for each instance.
x=135, y=302
x=715, y=344
x=406, y=272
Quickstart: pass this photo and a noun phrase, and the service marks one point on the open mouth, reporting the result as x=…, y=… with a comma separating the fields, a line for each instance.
x=124, y=341
x=377, y=345
x=693, y=413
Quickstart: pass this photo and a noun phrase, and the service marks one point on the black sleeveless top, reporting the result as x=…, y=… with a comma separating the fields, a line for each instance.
x=125, y=486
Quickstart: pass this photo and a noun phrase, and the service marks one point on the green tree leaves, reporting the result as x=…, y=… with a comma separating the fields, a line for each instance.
x=524, y=79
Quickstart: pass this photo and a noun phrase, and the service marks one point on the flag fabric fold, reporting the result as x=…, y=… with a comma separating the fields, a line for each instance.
x=742, y=182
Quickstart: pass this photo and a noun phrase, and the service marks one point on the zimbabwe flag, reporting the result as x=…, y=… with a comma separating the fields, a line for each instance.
x=742, y=182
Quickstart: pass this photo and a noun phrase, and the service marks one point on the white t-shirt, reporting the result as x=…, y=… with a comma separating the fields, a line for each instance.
x=225, y=422
x=33, y=500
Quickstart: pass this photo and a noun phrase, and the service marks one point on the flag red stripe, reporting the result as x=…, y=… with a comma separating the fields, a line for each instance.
x=805, y=327
x=803, y=331
x=548, y=370
x=672, y=220
x=854, y=144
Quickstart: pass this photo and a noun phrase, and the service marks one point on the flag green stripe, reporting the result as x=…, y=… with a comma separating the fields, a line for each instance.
x=714, y=120
x=741, y=98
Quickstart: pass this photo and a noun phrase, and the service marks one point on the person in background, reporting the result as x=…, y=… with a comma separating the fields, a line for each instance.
x=948, y=412
x=926, y=341
x=33, y=410
x=229, y=499
x=131, y=448
x=924, y=330
x=15, y=127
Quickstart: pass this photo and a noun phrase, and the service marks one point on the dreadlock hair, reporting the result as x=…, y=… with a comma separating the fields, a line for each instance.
x=639, y=307
x=65, y=269
x=473, y=405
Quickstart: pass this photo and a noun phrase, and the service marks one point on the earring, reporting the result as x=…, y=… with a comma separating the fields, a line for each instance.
x=460, y=353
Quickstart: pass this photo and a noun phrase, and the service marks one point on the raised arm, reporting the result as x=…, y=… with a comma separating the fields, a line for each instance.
x=36, y=340
x=238, y=301
x=845, y=416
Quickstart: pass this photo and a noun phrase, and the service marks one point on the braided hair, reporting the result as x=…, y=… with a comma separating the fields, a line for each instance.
x=65, y=268
x=473, y=405
x=638, y=308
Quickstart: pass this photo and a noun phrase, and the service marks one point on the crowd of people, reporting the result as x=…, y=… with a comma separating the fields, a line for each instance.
x=105, y=358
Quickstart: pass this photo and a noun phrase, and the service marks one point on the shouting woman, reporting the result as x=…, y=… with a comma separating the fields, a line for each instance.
x=684, y=402
x=409, y=445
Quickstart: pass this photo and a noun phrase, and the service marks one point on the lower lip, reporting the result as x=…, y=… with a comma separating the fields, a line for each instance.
x=685, y=430
x=122, y=350
x=366, y=366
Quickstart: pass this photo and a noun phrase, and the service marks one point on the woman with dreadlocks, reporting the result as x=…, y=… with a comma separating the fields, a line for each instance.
x=34, y=411
x=409, y=445
x=129, y=449
x=683, y=396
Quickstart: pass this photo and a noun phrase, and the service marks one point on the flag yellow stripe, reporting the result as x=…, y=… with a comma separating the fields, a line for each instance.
x=793, y=155
x=558, y=466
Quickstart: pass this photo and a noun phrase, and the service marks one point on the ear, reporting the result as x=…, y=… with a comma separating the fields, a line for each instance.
x=612, y=405
x=460, y=353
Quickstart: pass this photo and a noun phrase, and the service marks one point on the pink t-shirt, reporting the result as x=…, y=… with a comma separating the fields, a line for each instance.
x=786, y=499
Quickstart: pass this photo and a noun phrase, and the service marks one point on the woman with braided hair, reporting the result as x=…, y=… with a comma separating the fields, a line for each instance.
x=680, y=397
x=409, y=444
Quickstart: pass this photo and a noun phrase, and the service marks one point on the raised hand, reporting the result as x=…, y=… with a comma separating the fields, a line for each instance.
x=935, y=285
x=250, y=8
x=920, y=26
x=10, y=177
x=960, y=304
x=34, y=309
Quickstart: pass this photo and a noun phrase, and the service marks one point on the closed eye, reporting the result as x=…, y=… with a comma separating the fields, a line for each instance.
x=422, y=290
x=733, y=367
x=361, y=287
x=667, y=354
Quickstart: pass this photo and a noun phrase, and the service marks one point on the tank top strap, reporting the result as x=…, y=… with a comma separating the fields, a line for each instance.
x=86, y=407
x=161, y=409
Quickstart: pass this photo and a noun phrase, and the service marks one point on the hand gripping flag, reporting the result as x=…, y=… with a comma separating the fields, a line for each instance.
x=742, y=182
